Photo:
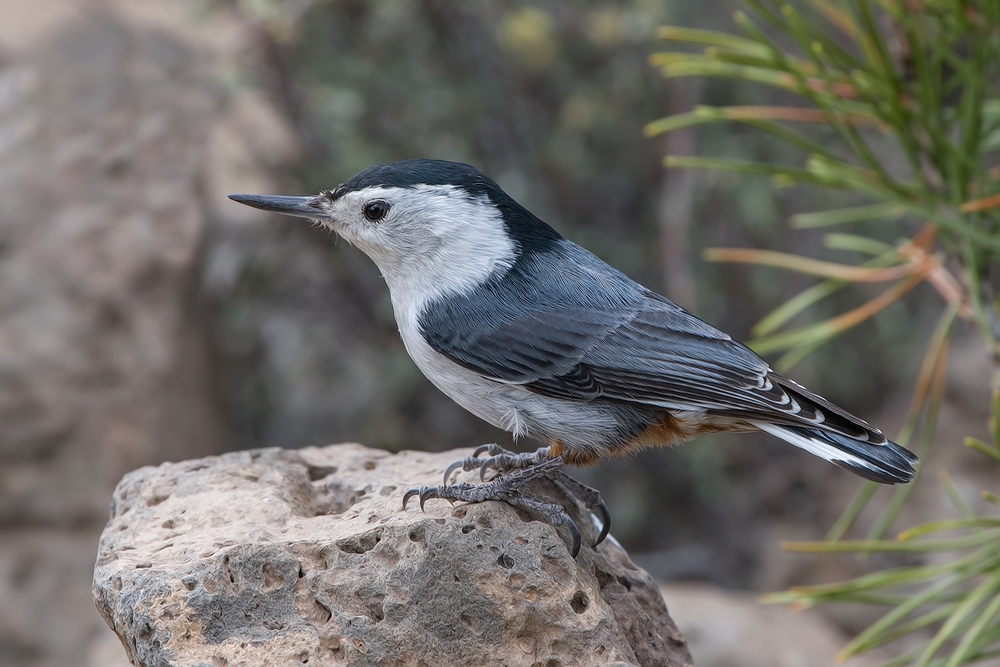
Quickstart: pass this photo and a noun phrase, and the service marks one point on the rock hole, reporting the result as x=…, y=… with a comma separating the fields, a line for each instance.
x=472, y=623
x=439, y=522
x=370, y=465
x=302, y=572
x=272, y=578
x=579, y=602
x=376, y=607
x=360, y=544
x=225, y=564
x=484, y=521
x=156, y=499
x=624, y=582
x=417, y=534
x=467, y=528
x=168, y=524
x=553, y=663
x=520, y=540
x=505, y=561
x=321, y=613
x=524, y=516
x=190, y=583
x=303, y=658
x=317, y=473
x=460, y=512
x=386, y=490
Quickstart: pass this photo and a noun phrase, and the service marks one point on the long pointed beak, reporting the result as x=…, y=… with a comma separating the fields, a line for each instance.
x=300, y=207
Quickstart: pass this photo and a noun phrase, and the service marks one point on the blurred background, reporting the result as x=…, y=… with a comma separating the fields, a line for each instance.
x=145, y=318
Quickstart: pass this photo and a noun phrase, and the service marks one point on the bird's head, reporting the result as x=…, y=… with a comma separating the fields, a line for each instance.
x=423, y=222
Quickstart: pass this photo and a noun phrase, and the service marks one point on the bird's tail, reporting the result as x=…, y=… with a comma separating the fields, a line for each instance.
x=885, y=462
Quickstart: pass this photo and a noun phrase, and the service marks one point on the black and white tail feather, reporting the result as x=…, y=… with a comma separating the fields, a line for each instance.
x=839, y=437
x=884, y=462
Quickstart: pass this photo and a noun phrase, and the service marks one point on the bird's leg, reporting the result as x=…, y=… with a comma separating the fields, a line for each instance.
x=506, y=488
x=513, y=471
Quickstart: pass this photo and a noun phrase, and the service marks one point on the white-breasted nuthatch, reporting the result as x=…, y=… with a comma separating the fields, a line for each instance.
x=539, y=337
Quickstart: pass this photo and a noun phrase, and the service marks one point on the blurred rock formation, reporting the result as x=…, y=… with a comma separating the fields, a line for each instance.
x=109, y=124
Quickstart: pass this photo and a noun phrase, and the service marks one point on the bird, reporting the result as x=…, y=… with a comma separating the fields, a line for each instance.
x=541, y=338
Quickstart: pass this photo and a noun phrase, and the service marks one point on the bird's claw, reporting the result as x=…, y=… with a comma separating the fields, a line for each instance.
x=425, y=493
x=450, y=469
x=575, y=532
x=484, y=448
x=605, y=522
x=409, y=494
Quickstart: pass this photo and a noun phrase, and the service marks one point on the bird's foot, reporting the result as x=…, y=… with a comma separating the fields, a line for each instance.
x=504, y=461
x=514, y=471
x=500, y=459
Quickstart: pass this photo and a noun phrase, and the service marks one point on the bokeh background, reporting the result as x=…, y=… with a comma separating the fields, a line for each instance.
x=145, y=318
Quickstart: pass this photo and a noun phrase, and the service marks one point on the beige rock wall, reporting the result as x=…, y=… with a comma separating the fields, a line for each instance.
x=111, y=117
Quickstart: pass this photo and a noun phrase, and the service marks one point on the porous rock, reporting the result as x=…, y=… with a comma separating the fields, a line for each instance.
x=280, y=557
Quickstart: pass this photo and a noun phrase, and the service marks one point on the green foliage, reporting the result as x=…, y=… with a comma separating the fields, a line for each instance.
x=901, y=108
x=959, y=596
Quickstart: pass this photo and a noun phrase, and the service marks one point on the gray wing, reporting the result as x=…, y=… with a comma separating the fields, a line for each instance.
x=567, y=325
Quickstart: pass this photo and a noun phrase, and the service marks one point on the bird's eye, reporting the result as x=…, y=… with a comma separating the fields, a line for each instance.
x=376, y=209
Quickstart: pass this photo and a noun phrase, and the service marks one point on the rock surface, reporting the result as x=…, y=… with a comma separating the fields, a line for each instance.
x=278, y=557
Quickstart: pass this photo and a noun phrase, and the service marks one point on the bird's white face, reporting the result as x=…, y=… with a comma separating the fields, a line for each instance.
x=427, y=240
